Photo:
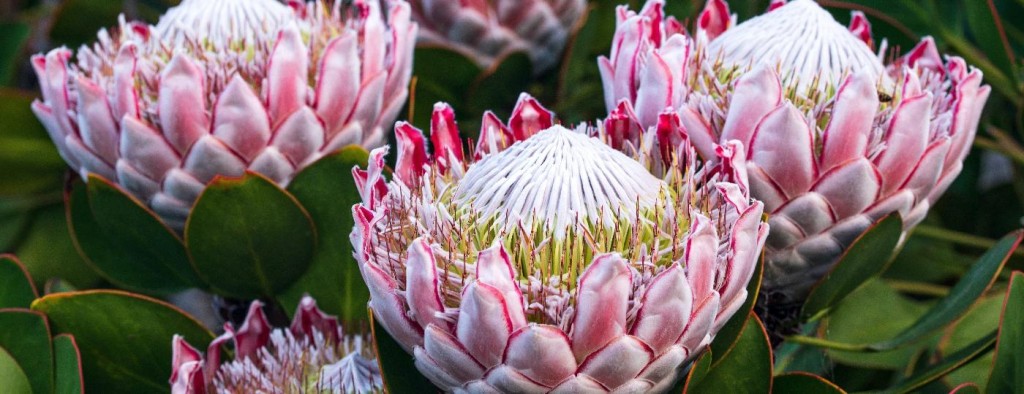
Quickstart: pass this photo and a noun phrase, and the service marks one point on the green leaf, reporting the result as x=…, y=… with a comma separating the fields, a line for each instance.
x=863, y=260
x=986, y=26
x=15, y=215
x=448, y=83
x=498, y=87
x=13, y=36
x=744, y=368
x=971, y=287
x=948, y=364
x=328, y=192
x=730, y=332
x=12, y=376
x=1008, y=370
x=124, y=338
x=698, y=371
x=396, y=366
x=58, y=285
x=923, y=259
x=126, y=242
x=48, y=249
x=16, y=288
x=77, y=21
x=861, y=318
x=136, y=231
x=248, y=238
x=580, y=93
x=873, y=313
x=30, y=160
x=973, y=326
x=26, y=337
x=801, y=382
x=68, y=365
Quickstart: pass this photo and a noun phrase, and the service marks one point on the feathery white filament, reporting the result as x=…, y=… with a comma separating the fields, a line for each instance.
x=302, y=364
x=559, y=176
x=223, y=21
x=801, y=37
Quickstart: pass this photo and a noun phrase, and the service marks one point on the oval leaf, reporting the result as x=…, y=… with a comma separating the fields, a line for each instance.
x=16, y=288
x=68, y=365
x=333, y=278
x=745, y=368
x=48, y=249
x=127, y=242
x=864, y=259
x=396, y=366
x=699, y=369
x=730, y=332
x=248, y=238
x=124, y=338
x=26, y=337
x=12, y=377
x=1008, y=370
x=801, y=382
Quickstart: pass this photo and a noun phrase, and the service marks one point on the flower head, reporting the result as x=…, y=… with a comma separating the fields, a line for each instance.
x=549, y=259
x=313, y=355
x=222, y=87
x=486, y=30
x=835, y=138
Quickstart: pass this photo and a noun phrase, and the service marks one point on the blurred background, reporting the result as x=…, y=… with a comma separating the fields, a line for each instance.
x=984, y=204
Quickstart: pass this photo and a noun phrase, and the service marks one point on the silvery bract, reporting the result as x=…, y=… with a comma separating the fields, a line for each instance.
x=221, y=87
x=835, y=138
x=547, y=259
x=486, y=30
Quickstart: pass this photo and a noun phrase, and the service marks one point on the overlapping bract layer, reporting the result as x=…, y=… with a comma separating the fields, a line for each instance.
x=312, y=355
x=492, y=294
x=829, y=151
x=486, y=30
x=220, y=88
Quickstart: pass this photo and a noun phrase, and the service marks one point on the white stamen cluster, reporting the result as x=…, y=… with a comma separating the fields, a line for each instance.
x=224, y=37
x=303, y=365
x=555, y=201
x=558, y=176
x=223, y=20
x=803, y=39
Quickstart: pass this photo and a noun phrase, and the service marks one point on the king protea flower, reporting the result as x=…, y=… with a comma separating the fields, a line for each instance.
x=486, y=30
x=547, y=259
x=222, y=87
x=313, y=355
x=835, y=138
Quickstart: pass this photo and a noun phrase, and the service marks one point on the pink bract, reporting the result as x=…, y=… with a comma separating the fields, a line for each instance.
x=312, y=355
x=549, y=259
x=835, y=137
x=220, y=88
x=487, y=30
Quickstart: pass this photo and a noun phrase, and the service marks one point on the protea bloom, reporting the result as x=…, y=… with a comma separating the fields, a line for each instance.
x=835, y=138
x=218, y=88
x=486, y=30
x=313, y=355
x=547, y=260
